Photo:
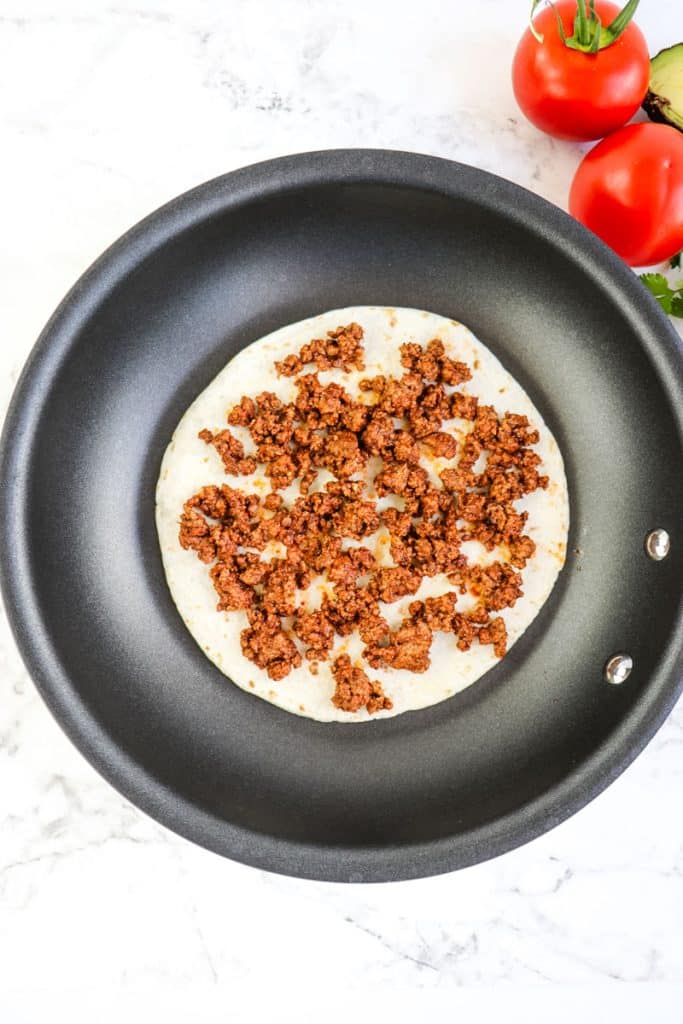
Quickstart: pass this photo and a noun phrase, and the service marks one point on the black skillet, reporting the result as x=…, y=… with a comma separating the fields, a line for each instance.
x=148, y=326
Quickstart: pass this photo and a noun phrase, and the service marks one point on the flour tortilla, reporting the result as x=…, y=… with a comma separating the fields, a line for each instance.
x=189, y=464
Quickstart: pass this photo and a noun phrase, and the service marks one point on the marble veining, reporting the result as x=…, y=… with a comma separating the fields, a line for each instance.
x=110, y=109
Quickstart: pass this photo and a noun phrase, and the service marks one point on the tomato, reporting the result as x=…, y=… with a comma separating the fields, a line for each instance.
x=629, y=191
x=576, y=95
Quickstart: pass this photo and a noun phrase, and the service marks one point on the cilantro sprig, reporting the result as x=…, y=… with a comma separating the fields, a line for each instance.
x=669, y=297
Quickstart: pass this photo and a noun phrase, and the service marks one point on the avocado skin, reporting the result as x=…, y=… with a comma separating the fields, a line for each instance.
x=665, y=109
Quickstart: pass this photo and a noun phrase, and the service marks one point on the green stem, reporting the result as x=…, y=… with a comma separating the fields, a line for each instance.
x=595, y=41
x=534, y=31
x=588, y=36
x=560, y=26
x=623, y=18
x=581, y=26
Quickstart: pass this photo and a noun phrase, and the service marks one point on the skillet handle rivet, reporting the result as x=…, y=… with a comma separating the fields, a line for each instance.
x=657, y=544
x=618, y=668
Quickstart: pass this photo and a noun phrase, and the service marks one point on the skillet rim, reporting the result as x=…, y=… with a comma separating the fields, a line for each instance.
x=231, y=190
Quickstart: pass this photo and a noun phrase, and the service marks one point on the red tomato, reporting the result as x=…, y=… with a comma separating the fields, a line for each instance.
x=629, y=191
x=575, y=95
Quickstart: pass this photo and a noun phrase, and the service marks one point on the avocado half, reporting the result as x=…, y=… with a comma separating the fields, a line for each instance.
x=664, y=100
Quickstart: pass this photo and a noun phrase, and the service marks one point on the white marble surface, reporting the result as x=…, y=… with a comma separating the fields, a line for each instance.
x=107, y=110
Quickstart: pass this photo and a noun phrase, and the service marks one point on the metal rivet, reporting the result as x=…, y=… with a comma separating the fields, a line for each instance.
x=657, y=544
x=618, y=668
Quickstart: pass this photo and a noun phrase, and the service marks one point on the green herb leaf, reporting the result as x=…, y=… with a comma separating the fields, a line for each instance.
x=655, y=282
x=670, y=299
x=659, y=286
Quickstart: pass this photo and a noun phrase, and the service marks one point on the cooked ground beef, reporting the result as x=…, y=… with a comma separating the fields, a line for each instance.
x=316, y=631
x=326, y=428
x=354, y=690
x=266, y=644
x=433, y=364
x=231, y=451
x=342, y=348
x=408, y=648
x=389, y=583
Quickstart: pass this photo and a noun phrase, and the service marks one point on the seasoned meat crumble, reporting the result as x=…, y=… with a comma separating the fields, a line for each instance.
x=373, y=444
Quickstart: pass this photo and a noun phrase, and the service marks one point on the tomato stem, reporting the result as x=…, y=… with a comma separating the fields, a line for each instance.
x=589, y=36
x=581, y=30
x=532, y=28
x=595, y=41
x=622, y=19
x=560, y=26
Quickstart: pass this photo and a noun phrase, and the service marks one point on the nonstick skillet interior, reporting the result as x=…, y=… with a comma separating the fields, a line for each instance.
x=147, y=328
